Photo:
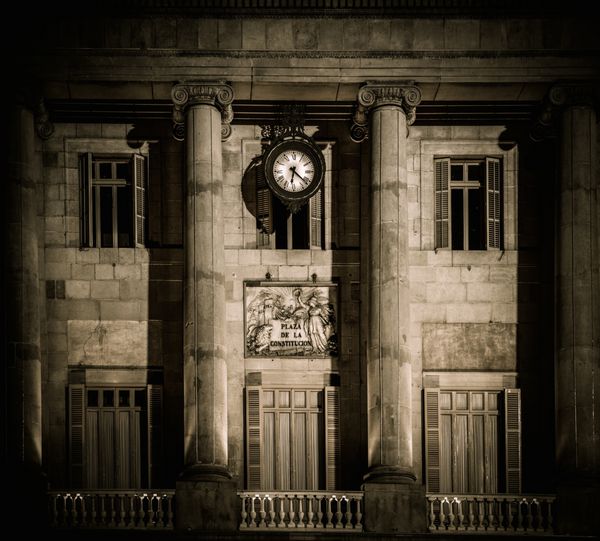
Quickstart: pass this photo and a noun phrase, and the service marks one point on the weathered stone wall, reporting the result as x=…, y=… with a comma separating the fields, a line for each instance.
x=97, y=298
x=110, y=310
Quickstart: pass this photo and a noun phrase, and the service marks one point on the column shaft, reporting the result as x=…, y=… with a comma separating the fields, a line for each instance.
x=389, y=364
x=22, y=298
x=578, y=333
x=578, y=359
x=205, y=370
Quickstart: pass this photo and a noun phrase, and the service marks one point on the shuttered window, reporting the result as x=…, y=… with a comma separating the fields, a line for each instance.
x=472, y=441
x=468, y=203
x=113, y=200
x=292, y=438
x=115, y=436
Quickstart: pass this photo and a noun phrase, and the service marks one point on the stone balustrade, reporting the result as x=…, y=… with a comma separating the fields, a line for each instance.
x=491, y=513
x=301, y=509
x=122, y=509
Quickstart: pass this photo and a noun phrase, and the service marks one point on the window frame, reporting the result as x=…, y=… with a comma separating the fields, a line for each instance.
x=90, y=205
x=510, y=454
x=430, y=149
x=77, y=419
x=490, y=194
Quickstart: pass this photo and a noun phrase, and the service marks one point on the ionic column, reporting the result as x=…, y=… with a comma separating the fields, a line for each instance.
x=388, y=108
x=22, y=314
x=578, y=311
x=200, y=107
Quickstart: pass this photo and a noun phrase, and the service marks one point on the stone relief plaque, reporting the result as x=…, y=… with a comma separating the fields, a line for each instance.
x=290, y=320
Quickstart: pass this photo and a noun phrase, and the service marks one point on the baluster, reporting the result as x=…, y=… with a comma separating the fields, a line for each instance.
x=347, y=514
x=535, y=521
x=79, y=510
x=310, y=514
x=133, y=499
x=262, y=512
x=443, y=522
x=93, y=514
x=460, y=514
x=358, y=525
x=122, y=512
x=480, y=514
x=471, y=519
x=253, y=511
x=170, y=511
x=320, y=512
x=244, y=513
x=301, y=502
x=271, y=523
x=279, y=512
x=329, y=513
x=528, y=519
x=501, y=505
x=338, y=513
x=490, y=514
x=432, y=513
x=153, y=510
x=292, y=512
x=451, y=515
x=520, y=515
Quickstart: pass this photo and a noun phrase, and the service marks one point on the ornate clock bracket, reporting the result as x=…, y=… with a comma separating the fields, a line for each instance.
x=216, y=93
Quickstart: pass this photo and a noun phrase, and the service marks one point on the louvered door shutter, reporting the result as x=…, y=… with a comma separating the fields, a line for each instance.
x=139, y=200
x=85, y=200
x=432, y=439
x=155, y=434
x=76, y=435
x=316, y=219
x=332, y=438
x=494, y=211
x=253, y=438
x=264, y=201
x=512, y=427
x=442, y=203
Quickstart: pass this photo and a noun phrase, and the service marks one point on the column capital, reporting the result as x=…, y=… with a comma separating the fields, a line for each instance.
x=560, y=96
x=216, y=93
x=373, y=94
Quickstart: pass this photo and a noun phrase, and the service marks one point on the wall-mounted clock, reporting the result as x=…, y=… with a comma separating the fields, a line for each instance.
x=294, y=170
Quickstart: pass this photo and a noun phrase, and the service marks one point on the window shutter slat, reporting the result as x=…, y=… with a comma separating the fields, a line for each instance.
x=432, y=439
x=155, y=434
x=139, y=199
x=253, y=437
x=442, y=203
x=316, y=219
x=264, y=201
x=85, y=202
x=512, y=427
x=332, y=437
x=492, y=167
x=76, y=434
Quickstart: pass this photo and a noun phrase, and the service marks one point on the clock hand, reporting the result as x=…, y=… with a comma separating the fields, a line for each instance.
x=294, y=173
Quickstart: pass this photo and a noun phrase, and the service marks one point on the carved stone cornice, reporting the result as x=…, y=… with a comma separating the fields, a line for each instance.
x=216, y=93
x=559, y=97
x=373, y=94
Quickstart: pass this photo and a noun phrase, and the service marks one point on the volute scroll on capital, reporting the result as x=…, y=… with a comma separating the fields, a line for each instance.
x=560, y=96
x=216, y=93
x=378, y=94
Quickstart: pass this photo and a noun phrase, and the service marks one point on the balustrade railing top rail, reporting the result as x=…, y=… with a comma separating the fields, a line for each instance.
x=301, y=509
x=493, y=513
x=143, y=509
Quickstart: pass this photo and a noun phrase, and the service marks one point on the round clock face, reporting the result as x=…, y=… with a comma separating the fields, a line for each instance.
x=294, y=169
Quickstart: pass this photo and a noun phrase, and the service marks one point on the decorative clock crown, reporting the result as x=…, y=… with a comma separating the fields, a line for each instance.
x=289, y=123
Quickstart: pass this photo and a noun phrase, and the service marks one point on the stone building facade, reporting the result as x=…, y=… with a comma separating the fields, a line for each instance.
x=458, y=224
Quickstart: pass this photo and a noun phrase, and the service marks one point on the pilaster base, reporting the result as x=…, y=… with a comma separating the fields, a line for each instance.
x=206, y=500
x=394, y=508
